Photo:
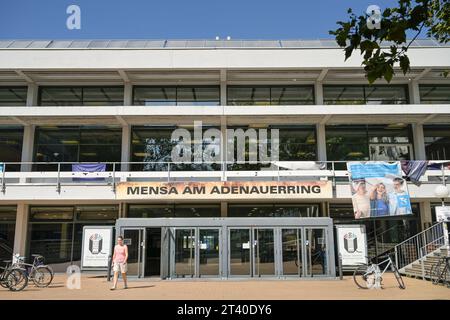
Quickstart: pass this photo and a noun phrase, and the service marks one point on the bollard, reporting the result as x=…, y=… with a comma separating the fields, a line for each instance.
x=340, y=267
x=109, y=268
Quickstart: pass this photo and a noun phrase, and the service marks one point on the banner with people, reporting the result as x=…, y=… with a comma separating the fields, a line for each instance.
x=378, y=189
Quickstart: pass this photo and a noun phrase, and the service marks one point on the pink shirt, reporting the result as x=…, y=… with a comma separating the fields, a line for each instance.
x=120, y=253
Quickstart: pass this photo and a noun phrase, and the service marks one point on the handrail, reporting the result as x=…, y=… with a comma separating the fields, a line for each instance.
x=421, y=232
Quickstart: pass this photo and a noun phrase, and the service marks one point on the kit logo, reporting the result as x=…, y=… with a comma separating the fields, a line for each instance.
x=95, y=243
x=73, y=21
x=351, y=242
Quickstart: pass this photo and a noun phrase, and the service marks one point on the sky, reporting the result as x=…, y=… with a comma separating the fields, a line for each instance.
x=178, y=19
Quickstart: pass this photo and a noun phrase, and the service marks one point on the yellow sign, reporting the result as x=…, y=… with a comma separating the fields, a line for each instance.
x=233, y=190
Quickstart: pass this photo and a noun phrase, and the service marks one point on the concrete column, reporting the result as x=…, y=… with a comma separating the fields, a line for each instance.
x=27, y=147
x=318, y=92
x=126, y=148
x=32, y=95
x=419, y=142
x=128, y=94
x=425, y=214
x=224, y=209
x=321, y=142
x=223, y=146
x=21, y=230
x=413, y=90
x=223, y=87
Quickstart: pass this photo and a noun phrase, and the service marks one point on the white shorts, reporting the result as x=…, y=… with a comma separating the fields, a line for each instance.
x=120, y=266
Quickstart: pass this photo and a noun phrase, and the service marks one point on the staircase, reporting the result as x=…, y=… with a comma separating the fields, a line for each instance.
x=415, y=256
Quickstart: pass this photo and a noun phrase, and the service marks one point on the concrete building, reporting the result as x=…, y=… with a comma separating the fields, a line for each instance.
x=116, y=103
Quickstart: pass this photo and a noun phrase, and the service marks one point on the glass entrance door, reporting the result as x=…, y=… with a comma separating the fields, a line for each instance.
x=185, y=253
x=264, y=252
x=316, y=252
x=292, y=253
x=240, y=252
x=134, y=239
x=209, y=252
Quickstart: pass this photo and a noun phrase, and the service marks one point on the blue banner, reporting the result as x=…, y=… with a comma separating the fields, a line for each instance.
x=88, y=167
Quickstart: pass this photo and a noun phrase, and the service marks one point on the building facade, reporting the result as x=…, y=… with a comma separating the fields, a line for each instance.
x=65, y=104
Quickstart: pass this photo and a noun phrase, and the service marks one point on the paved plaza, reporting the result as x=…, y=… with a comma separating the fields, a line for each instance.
x=96, y=287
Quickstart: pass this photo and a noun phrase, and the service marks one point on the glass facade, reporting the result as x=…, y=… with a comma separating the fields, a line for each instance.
x=11, y=146
x=434, y=94
x=13, y=96
x=153, y=145
x=56, y=232
x=77, y=144
x=80, y=96
x=437, y=141
x=369, y=142
x=270, y=95
x=7, y=231
x=274, y=210
x=176, y=96
x=173, y=210
x=362, y=94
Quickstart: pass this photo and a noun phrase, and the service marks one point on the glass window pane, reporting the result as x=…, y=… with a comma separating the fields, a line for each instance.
x=292, y=95
x=13, y=96
x=434, y=94
x=343, y=95
x=60, y=96
x=96, y=212
x=386, y=94
x=51, y=213
x=102, y=96
x=195, y=211
x=296, y=143
x=437, y=142
x=150, y=211
x=11, y=146
x=8, y=214
x=347, y=143
x=151, y=96
x=395, y=133
x=198, y=96
x=248, y=95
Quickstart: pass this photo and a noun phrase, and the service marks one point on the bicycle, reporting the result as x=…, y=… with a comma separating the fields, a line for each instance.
x=440, y=271
x=41, y=275
x=370, y=276
x=13, y=278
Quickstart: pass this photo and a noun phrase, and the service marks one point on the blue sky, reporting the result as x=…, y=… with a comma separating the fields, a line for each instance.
x=177, y=19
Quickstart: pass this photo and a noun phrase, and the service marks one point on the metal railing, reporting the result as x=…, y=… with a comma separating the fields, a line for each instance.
x=420, y=245
x=58, y=173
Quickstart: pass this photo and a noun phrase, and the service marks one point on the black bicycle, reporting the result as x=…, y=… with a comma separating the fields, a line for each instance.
x=13, y=278
x=440, y=272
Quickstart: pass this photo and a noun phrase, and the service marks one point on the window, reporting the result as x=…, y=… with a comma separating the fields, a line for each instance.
x=56, y=232
x=173, y=210
x=369, y=142
x=77, y=144
x=152, y=145
x=11, y=146
x=272, y=95
x=81, y=96
x=13, y=96
x=360, y=94
x=7, y=231
x=273, y=210
x=437, y=141
x=434, y=94
x=176, y=96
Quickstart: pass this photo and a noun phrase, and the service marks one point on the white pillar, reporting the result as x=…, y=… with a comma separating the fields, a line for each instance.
x=419, y=141
x=223, y=87
x=425, y=214
x=27, y=147
x=32, y=95
x=414, y=93
x=128, y=94
x=223, y=146
x=126, y=148
x=223, y=209
x=318, y=92
x=20, y=235
x=321, y=142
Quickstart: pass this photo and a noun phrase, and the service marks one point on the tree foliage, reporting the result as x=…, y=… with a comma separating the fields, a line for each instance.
x=430, y=15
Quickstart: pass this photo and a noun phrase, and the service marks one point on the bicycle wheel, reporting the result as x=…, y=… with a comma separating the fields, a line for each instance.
x=399, y=278
x=42, y=276
x=364, y=276
x=17, y=279
x=436, y=272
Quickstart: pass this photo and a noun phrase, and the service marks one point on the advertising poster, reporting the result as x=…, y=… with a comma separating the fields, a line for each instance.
x=96, y=247
x=352, y=244
x=378, y=190
x=442, y=213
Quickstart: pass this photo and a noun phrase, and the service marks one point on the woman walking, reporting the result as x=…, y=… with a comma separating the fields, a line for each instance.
x=120, y=258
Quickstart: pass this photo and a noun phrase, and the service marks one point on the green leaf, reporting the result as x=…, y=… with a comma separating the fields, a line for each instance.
x=404, y=63
x=388, y=73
